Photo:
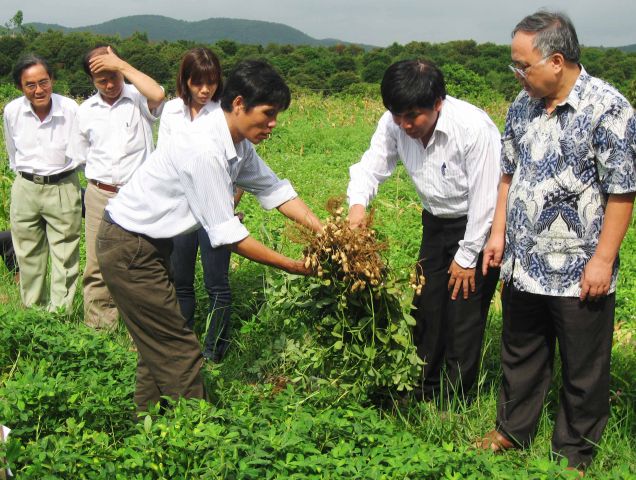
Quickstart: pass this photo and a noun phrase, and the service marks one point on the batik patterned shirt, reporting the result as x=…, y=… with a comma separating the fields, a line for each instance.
x=564, y=166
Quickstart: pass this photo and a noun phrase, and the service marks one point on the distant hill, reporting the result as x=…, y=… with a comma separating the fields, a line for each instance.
x=205, y=31
x=628, y=48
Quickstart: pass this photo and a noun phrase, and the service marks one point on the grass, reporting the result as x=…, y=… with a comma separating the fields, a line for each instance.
x=259, y=404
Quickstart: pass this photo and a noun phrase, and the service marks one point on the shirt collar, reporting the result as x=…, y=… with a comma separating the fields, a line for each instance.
x=443, y=122
x=218, y=116
x=126, y=93
x=575, y=96
x=56, y=109
x=205, y=110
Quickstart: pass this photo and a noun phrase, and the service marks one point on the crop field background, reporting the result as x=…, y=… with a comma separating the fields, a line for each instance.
x=66, y=391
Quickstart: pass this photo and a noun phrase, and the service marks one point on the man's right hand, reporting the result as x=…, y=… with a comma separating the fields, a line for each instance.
x=493, y=252
x=297, y=267
x=357, y=216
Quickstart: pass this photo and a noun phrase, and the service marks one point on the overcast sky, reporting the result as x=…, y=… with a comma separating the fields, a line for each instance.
x=374, y=22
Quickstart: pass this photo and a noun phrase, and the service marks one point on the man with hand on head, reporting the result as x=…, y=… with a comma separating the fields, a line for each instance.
x=185, y=185
x=450, y=149
x=46, y=204
x=565, y=202
x=112, y=136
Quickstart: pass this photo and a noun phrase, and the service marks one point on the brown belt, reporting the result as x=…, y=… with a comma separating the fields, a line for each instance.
x=105, y=186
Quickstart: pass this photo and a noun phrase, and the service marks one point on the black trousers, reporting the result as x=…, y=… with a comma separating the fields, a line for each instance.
x=448, y=333
x=531, y=326
x=7, y=252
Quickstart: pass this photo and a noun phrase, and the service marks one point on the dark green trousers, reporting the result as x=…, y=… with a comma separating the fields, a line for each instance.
x=136, y=270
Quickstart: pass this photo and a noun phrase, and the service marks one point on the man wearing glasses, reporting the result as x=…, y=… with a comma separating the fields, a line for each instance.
x=45, y=196
x=564, y=205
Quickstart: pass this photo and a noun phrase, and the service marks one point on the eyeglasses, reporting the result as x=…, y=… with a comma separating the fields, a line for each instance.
x=523, y=72
x=43, y=84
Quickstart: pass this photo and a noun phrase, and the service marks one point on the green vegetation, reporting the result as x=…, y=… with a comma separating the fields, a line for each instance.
x=275, y=410
x=476, y=72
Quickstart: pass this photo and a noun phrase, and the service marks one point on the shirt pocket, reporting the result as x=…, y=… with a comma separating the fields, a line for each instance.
x=134, y=138
x=55, y=154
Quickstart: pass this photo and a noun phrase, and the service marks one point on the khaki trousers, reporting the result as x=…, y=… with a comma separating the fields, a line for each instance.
x=136, y=270
x=100, y=311
x=47, y=219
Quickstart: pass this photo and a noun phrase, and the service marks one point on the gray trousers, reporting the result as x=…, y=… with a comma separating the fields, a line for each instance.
x=136, y=271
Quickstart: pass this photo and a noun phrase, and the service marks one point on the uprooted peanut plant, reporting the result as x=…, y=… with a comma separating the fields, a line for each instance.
x=361, y=337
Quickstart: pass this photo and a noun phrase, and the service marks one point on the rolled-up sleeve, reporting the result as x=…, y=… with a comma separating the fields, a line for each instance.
x=208, y=188
x=226, y=233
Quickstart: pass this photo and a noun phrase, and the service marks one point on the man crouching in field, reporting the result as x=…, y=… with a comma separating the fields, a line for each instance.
x=451, y=151
x=187, y=184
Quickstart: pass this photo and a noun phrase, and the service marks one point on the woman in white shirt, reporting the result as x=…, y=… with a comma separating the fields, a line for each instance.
x=199, y=85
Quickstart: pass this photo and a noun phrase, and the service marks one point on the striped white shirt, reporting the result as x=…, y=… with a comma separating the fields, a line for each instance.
x=188, y=183
x=455, y=175
x=36, y=146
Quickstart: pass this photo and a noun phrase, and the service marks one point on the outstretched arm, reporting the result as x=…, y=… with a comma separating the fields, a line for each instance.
x=296, y=210
x=256, y=251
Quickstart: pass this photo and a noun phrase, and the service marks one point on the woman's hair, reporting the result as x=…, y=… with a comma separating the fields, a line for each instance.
x=199, y=65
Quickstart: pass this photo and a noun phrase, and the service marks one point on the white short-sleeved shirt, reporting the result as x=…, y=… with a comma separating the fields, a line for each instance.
x=35, y=146
x=113, y=140
x=188, y=183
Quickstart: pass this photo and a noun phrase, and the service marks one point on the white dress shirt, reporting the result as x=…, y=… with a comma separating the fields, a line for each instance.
x=176, y=118
x=455, y=175
x=113, y=140
x=36, y=146
x=188, y=183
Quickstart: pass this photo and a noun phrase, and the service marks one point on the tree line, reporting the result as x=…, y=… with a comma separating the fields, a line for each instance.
x=477, y=72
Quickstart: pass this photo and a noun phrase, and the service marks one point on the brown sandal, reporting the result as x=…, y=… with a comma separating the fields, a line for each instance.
x=494, y=441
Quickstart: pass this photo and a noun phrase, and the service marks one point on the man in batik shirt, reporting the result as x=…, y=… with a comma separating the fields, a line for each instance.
x=565, y=202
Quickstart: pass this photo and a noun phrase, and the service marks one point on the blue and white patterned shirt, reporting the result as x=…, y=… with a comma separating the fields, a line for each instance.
x=564, y=166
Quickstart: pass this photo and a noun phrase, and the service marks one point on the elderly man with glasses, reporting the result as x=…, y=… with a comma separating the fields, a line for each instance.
x=564, y=205
x=45, y=197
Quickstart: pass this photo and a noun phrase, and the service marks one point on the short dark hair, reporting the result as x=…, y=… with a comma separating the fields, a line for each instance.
x=25, y=62
x=555, y=33
x=258, y=83
x=412, y=84
x=99, y=49
x=199, y=65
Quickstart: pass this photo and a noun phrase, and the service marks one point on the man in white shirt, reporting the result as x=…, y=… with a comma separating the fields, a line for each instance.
x=112, y=136
x=45, y=196
x=451, y=151
x=185, y=185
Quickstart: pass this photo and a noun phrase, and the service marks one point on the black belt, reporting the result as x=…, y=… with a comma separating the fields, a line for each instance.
x=45, y=179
